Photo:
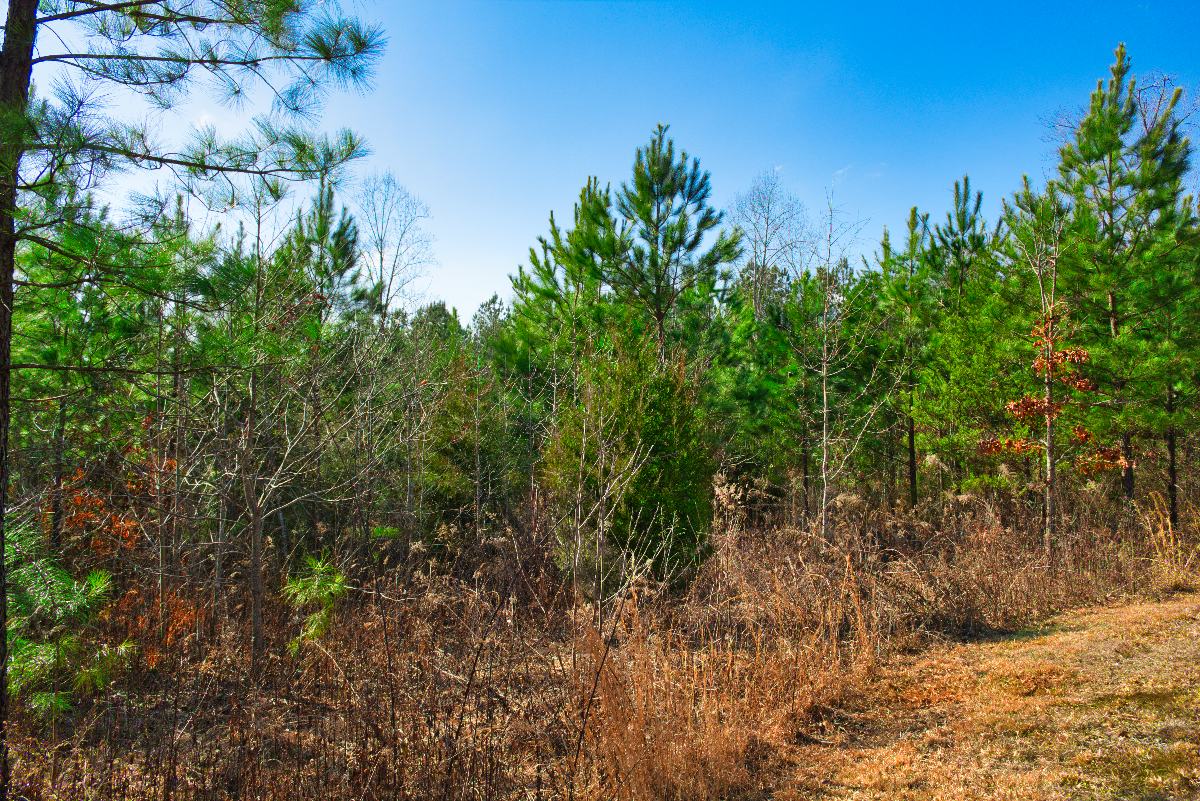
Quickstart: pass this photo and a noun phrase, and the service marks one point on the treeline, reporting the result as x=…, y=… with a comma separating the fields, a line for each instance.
x=197, y=412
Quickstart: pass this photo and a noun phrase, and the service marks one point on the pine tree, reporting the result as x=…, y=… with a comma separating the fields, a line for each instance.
x=962, y=262
x=1125, y=182
x=666, y=212
x=961, y=243
x=158, y=51
x=909, y=293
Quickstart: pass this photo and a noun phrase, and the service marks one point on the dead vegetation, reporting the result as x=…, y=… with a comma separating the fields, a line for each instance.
x=487, y=678
x=1101, y=704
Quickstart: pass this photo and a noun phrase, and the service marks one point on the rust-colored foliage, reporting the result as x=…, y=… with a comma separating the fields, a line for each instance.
x=1058, y=363
x=90, y=517
x=159, y=625
x=1034, y=408
x=1100, y=460
x=111, y=513
x=995, y=446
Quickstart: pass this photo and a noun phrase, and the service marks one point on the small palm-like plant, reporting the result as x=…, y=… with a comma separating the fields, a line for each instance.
x=319, y=585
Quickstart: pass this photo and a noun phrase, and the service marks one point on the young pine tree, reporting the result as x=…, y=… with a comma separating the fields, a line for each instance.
x=1123, y=171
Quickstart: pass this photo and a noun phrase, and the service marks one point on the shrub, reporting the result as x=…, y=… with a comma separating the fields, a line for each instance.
x=320, y=585
x=55, y=655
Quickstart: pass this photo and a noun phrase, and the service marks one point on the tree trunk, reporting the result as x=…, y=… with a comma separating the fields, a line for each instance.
x=912, y=459
x=285, y=541
x=256, y=588
x=218, y=585
x=365, y=477
x=56, y=492
x=807, y=489
x=1127, y=470
x=477, y=508
x=890, y=495
x=177, y=437
x=660, y=325
x=410, y=512
x=825, y=425
x=254, y=504
x=1172, y=464
x=16, y=68
x=1050, y=511
x=1114, y=328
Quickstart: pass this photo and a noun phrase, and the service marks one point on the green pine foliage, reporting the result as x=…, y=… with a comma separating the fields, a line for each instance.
x=318, y=587
x=56, y=654
x=1133, y=230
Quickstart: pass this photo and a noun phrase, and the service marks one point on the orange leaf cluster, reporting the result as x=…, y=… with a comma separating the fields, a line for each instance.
x=89, y=515
x=1033, y=407
x=85, y=510
x=1076, y=355
x=1101, y=460
x=1058, y=359
x=1043, y=331
x=1079, y=383
x=122, y=534
x=995, y=446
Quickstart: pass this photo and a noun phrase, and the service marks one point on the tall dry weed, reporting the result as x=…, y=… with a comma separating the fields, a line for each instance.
x=499, y=683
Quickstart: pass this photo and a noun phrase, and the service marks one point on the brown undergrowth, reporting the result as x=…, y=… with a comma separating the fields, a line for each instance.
x=491, y=679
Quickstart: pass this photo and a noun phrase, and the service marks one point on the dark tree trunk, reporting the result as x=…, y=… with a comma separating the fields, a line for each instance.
x=912, y=462
x=16, y=68
x=804, y=463
x=256, y=585
x=285, y=541
x=218, y=584
x=1172, y=465
x=1114, y=328
x=890, y=494
x=56, y=491
x=254, y=504
x=1172, y=480
x=1048, y=505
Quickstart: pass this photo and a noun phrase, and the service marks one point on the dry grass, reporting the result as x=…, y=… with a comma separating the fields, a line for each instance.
x=764, y=680
x=1101, y=704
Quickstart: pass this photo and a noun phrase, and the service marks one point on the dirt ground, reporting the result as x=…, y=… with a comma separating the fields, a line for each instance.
x=1097, y=704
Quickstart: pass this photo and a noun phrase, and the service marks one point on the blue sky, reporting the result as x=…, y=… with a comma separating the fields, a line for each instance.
x=495, y=113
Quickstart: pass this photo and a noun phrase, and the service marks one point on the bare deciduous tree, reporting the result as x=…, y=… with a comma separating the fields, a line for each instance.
x=397, y=246
x=836, y=334
x=777, y=234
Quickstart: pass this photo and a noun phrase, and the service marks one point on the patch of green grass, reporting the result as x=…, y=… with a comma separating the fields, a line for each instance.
x=1156, y=700
x=983, y=634
x=1156, y=774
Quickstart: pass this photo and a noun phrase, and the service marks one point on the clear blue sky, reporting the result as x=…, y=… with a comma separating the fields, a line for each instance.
x=495, y=113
